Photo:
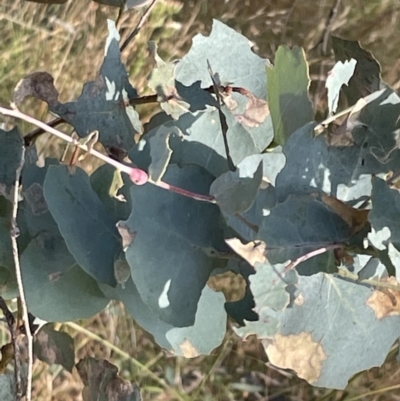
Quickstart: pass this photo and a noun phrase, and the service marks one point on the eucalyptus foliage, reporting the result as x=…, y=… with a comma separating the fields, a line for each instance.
x=307, y=213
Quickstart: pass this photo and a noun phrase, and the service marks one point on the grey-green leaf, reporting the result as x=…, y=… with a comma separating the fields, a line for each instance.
x=84, y=222
x=56, y=288
x=288, y=83
x=104, y=103
x=334, y=329
x=239, y=66
x=300, y=225
x=200, y=338
x=235, y=191
x=174, y=239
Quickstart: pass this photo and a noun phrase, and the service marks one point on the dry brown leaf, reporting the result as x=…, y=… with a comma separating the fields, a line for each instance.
x=355, y=219
x=7, y=355
x=252, y=252
x=340, y=135
x=126, y=235
x=385, y=301
x=39, y=85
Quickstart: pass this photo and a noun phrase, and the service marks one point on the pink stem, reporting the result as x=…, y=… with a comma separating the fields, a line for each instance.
x=138, y=176
x=184, y=192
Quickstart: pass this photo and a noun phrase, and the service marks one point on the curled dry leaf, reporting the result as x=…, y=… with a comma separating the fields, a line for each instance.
x=116, y=184
x=341, y=135
x=355, y=219
x=122, y=271
x=127, y=236
x=39, y=85
x=252, y=252
x=102, y=382
x=385, y=301
x=256, y=112
x=7, y=355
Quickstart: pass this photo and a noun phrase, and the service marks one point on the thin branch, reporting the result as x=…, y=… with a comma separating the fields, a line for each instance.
x=137, y=175
x=332, y=118
x=14, y=244
x=283, y=36
x=13, y=332
x=46, y=128
x=382, y=285
x=311, y=254
x=324, y=47
x=333, y=12
x=143, y=100
x=184, y=192
x=141, y=22
x=307, y=256
x=33, y=135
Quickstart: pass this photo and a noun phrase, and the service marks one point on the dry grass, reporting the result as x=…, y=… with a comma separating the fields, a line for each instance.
x=67, y=41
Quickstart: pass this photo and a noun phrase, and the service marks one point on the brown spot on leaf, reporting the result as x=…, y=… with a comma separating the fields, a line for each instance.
x=55, y=276
x=256, y=112
x=39, y=85
x=127, y=236
x=385, y=301
x=299, y=300
x=297, y=352
x=252, y=252
x=188, y=350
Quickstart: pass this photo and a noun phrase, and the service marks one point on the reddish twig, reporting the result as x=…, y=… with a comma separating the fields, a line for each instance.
x=138, y=176
x=33, y=135
x=184, y=192
x=307, y=256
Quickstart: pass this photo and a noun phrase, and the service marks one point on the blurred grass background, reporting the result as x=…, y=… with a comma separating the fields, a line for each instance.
x=68, y=41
